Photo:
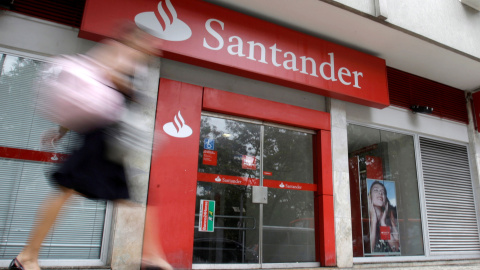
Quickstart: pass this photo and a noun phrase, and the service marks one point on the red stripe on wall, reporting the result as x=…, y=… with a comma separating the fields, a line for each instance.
x=289, y=185
x=32, y=155
x=227, y=179
x=266, y=110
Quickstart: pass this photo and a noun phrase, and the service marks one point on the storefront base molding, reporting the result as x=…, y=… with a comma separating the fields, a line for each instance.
x=424, y=265
x=72, y=268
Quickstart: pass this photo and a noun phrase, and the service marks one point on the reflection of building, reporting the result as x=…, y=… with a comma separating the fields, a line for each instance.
x=306, y=110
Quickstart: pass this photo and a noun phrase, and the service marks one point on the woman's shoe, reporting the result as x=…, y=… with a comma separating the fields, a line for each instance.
x=159, y=265
x=15, y=265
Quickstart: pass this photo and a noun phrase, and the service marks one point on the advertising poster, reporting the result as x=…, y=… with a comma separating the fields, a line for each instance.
x=206, y=221
x=384, y=237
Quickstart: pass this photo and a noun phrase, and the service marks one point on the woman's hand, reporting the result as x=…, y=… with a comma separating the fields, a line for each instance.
x=53, y=135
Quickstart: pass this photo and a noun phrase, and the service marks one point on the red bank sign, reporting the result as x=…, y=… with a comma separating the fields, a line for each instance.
x=207, y=35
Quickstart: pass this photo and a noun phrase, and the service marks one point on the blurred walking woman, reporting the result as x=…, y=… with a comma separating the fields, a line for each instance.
x=88, y=171
x=382, y=214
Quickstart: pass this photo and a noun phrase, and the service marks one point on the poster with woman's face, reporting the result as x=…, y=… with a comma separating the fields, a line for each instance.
x=384, y=237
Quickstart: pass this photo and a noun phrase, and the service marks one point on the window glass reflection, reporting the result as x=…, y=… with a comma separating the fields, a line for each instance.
x=386, y=219
x=288, y=155
x=229, y=147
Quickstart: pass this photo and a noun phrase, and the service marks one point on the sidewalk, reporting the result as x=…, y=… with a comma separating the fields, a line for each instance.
x=434, y=265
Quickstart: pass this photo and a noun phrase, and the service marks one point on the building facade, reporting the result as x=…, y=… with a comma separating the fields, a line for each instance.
x=287, y=133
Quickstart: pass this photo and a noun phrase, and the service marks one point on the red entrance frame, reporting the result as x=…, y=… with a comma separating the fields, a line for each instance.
x=173, y=177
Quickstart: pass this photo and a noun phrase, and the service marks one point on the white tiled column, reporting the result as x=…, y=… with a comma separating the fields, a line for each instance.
x=341, y=183
x=129, y=219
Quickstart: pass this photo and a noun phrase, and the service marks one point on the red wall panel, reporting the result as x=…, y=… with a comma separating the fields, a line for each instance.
x=173, y=180
x=173, y=177
x=257, y=108
x=407, y=89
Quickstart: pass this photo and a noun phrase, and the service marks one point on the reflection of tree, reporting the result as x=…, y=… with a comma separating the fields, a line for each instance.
x=288, y=155
x=232, y=140
x=20, y=76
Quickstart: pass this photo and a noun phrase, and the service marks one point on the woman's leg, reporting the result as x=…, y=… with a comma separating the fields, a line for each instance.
x=153, y=254
x=45, y=220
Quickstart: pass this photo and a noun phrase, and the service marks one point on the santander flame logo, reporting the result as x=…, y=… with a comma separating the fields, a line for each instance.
x=170, y=28
x=177, y=128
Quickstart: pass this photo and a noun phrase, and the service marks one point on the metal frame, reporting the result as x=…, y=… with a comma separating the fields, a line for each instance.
x=255, y=266
x=259, y=122
x=260, y=221
x=474, y=190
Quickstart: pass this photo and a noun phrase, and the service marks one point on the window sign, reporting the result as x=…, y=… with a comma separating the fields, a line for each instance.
x=209, y=144
x=207, y=216
x=209, y=157
x=382, y=213
x=249, y=162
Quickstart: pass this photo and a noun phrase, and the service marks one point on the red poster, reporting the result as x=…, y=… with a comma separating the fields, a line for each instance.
x=249, y=162
x=268, y=173
x=209, y=157
x=384, y=232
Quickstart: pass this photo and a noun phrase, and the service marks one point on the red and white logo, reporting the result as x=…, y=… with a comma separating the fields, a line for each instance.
x=164, y=24
x=177, y=128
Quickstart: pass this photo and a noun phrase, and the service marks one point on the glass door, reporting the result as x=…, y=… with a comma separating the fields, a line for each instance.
x=238, y=160
x=288, y=217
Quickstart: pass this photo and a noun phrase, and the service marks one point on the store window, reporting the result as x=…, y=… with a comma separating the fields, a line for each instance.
x=386, y=217
x=237, y=157
x=25, y=165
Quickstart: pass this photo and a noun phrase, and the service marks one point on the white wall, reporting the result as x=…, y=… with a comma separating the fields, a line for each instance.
x=37, y=36
x=403, y=119
x=448, y=22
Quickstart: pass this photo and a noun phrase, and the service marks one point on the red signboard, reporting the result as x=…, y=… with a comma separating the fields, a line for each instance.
x=384, y=232
x=173, y=175
x=209, y=157
x=208, y=35
x=249, y=162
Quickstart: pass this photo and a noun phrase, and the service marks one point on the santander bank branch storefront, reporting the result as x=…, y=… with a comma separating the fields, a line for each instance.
x=241, y=178
x=276, y=149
